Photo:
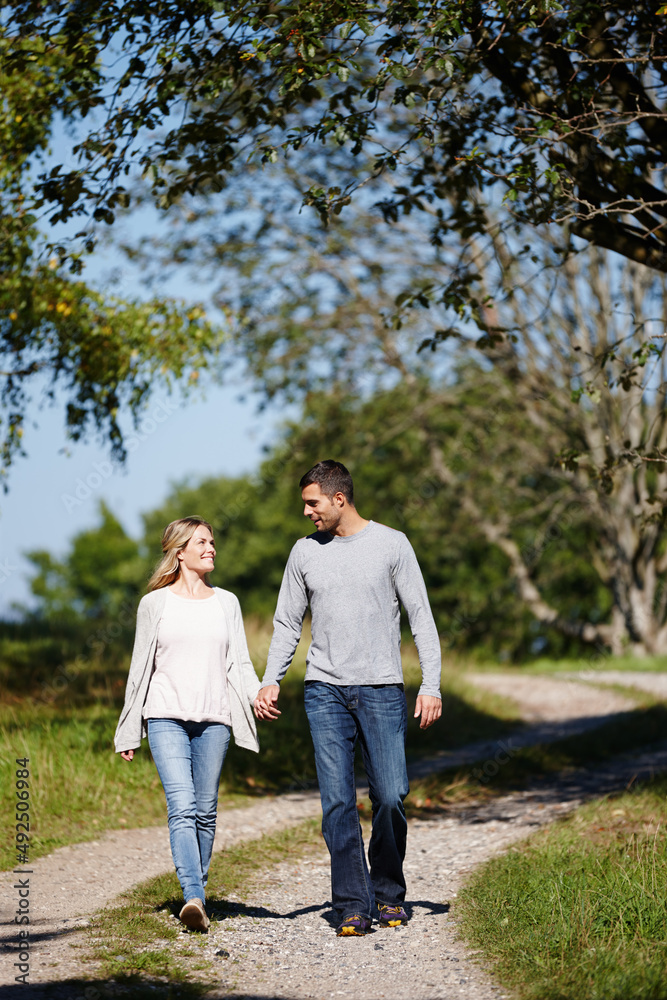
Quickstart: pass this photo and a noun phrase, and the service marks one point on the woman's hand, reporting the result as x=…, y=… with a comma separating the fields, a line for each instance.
x=266, y=703
x=127, y=754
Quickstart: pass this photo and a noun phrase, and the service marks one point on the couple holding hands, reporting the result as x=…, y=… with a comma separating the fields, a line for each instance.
x=191, y=684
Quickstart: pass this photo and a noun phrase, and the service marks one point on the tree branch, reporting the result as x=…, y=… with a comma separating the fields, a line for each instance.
x=497, y=535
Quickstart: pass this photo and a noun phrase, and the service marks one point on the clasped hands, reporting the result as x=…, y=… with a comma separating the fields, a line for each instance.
x=428, y=708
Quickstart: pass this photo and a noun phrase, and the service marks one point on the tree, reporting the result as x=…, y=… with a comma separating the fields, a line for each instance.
x=106, y=353
x=533, y=487
x=473, y=115
x=558, y=448
x=461, y=123
x=572, y=425
x=493, y=457
x=97, y=581
x=558, y=109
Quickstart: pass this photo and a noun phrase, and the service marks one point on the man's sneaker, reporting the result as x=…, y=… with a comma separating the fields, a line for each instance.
x=193, y=915
x=391, y=916
x=356, y=924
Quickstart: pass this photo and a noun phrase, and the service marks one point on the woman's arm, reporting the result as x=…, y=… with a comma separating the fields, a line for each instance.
x=129, y=729
x=249, y=675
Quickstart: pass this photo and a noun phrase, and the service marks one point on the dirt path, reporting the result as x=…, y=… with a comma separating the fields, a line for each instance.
x=552, y=707
x=66, y=887
x=280, y=941
x=650, y=681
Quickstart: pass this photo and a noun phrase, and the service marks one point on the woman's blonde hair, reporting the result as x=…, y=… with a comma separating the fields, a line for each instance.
x=174, y=539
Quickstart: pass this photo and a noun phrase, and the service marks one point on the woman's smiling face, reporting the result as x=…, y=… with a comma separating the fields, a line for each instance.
x=199, y=554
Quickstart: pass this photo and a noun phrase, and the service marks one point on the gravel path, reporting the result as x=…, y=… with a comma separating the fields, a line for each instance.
x=552, y=707
x=650, y=681
x=280, y=941
x=66, y=887
x=554, y=699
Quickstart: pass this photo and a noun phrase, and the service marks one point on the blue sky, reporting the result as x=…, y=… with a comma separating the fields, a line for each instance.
x=53, y=495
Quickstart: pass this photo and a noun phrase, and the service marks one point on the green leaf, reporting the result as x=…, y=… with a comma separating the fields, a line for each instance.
x=399, y=71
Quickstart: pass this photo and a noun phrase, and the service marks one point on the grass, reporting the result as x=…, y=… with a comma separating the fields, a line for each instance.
x=79, y=787
x=579, y=910
x=137, y=942
x=597, y=662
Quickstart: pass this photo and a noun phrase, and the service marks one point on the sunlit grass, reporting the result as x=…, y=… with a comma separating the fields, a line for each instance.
x=580, y=909
x=596, y=663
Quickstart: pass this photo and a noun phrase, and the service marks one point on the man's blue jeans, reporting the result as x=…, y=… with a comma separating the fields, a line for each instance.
x=189, y=758
x=376, y=715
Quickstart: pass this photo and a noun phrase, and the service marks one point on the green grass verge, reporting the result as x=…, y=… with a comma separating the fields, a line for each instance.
x=138, y=943
x=580, y=909
x=78, y=786
x=595, y=662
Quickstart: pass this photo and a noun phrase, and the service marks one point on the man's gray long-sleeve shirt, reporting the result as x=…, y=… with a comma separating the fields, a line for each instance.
x=355, y=585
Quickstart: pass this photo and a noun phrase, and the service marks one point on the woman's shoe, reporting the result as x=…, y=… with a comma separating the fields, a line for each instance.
x=193, y=915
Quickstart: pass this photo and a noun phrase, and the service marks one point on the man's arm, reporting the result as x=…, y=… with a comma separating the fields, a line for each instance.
x=411, y=592
x=287, y=624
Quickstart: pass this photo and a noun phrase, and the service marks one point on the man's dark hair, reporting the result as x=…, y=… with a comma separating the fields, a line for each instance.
x=331, y=477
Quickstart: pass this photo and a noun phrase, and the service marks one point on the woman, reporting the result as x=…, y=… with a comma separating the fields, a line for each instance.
x=190, y=682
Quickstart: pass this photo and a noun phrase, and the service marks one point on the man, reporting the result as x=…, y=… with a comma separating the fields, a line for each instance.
x=353, y=573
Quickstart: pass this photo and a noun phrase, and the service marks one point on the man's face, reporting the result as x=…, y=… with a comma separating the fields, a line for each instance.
x=323, y=512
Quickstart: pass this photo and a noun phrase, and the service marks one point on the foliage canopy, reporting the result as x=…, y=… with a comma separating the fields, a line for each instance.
x=106, y=352
x=560, y=108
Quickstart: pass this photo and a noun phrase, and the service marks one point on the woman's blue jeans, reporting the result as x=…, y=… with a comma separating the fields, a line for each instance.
x=376, y=716
x=189, y=758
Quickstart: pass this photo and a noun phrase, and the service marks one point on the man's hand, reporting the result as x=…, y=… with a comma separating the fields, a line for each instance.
x=127, y=754
x=430, y=709
x=266, y=703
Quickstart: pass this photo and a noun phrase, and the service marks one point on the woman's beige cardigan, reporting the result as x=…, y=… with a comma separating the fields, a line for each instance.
x=242, y=681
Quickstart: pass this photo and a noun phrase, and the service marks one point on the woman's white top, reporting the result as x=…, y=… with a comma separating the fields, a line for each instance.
x=189, y=681
x=242, y=681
